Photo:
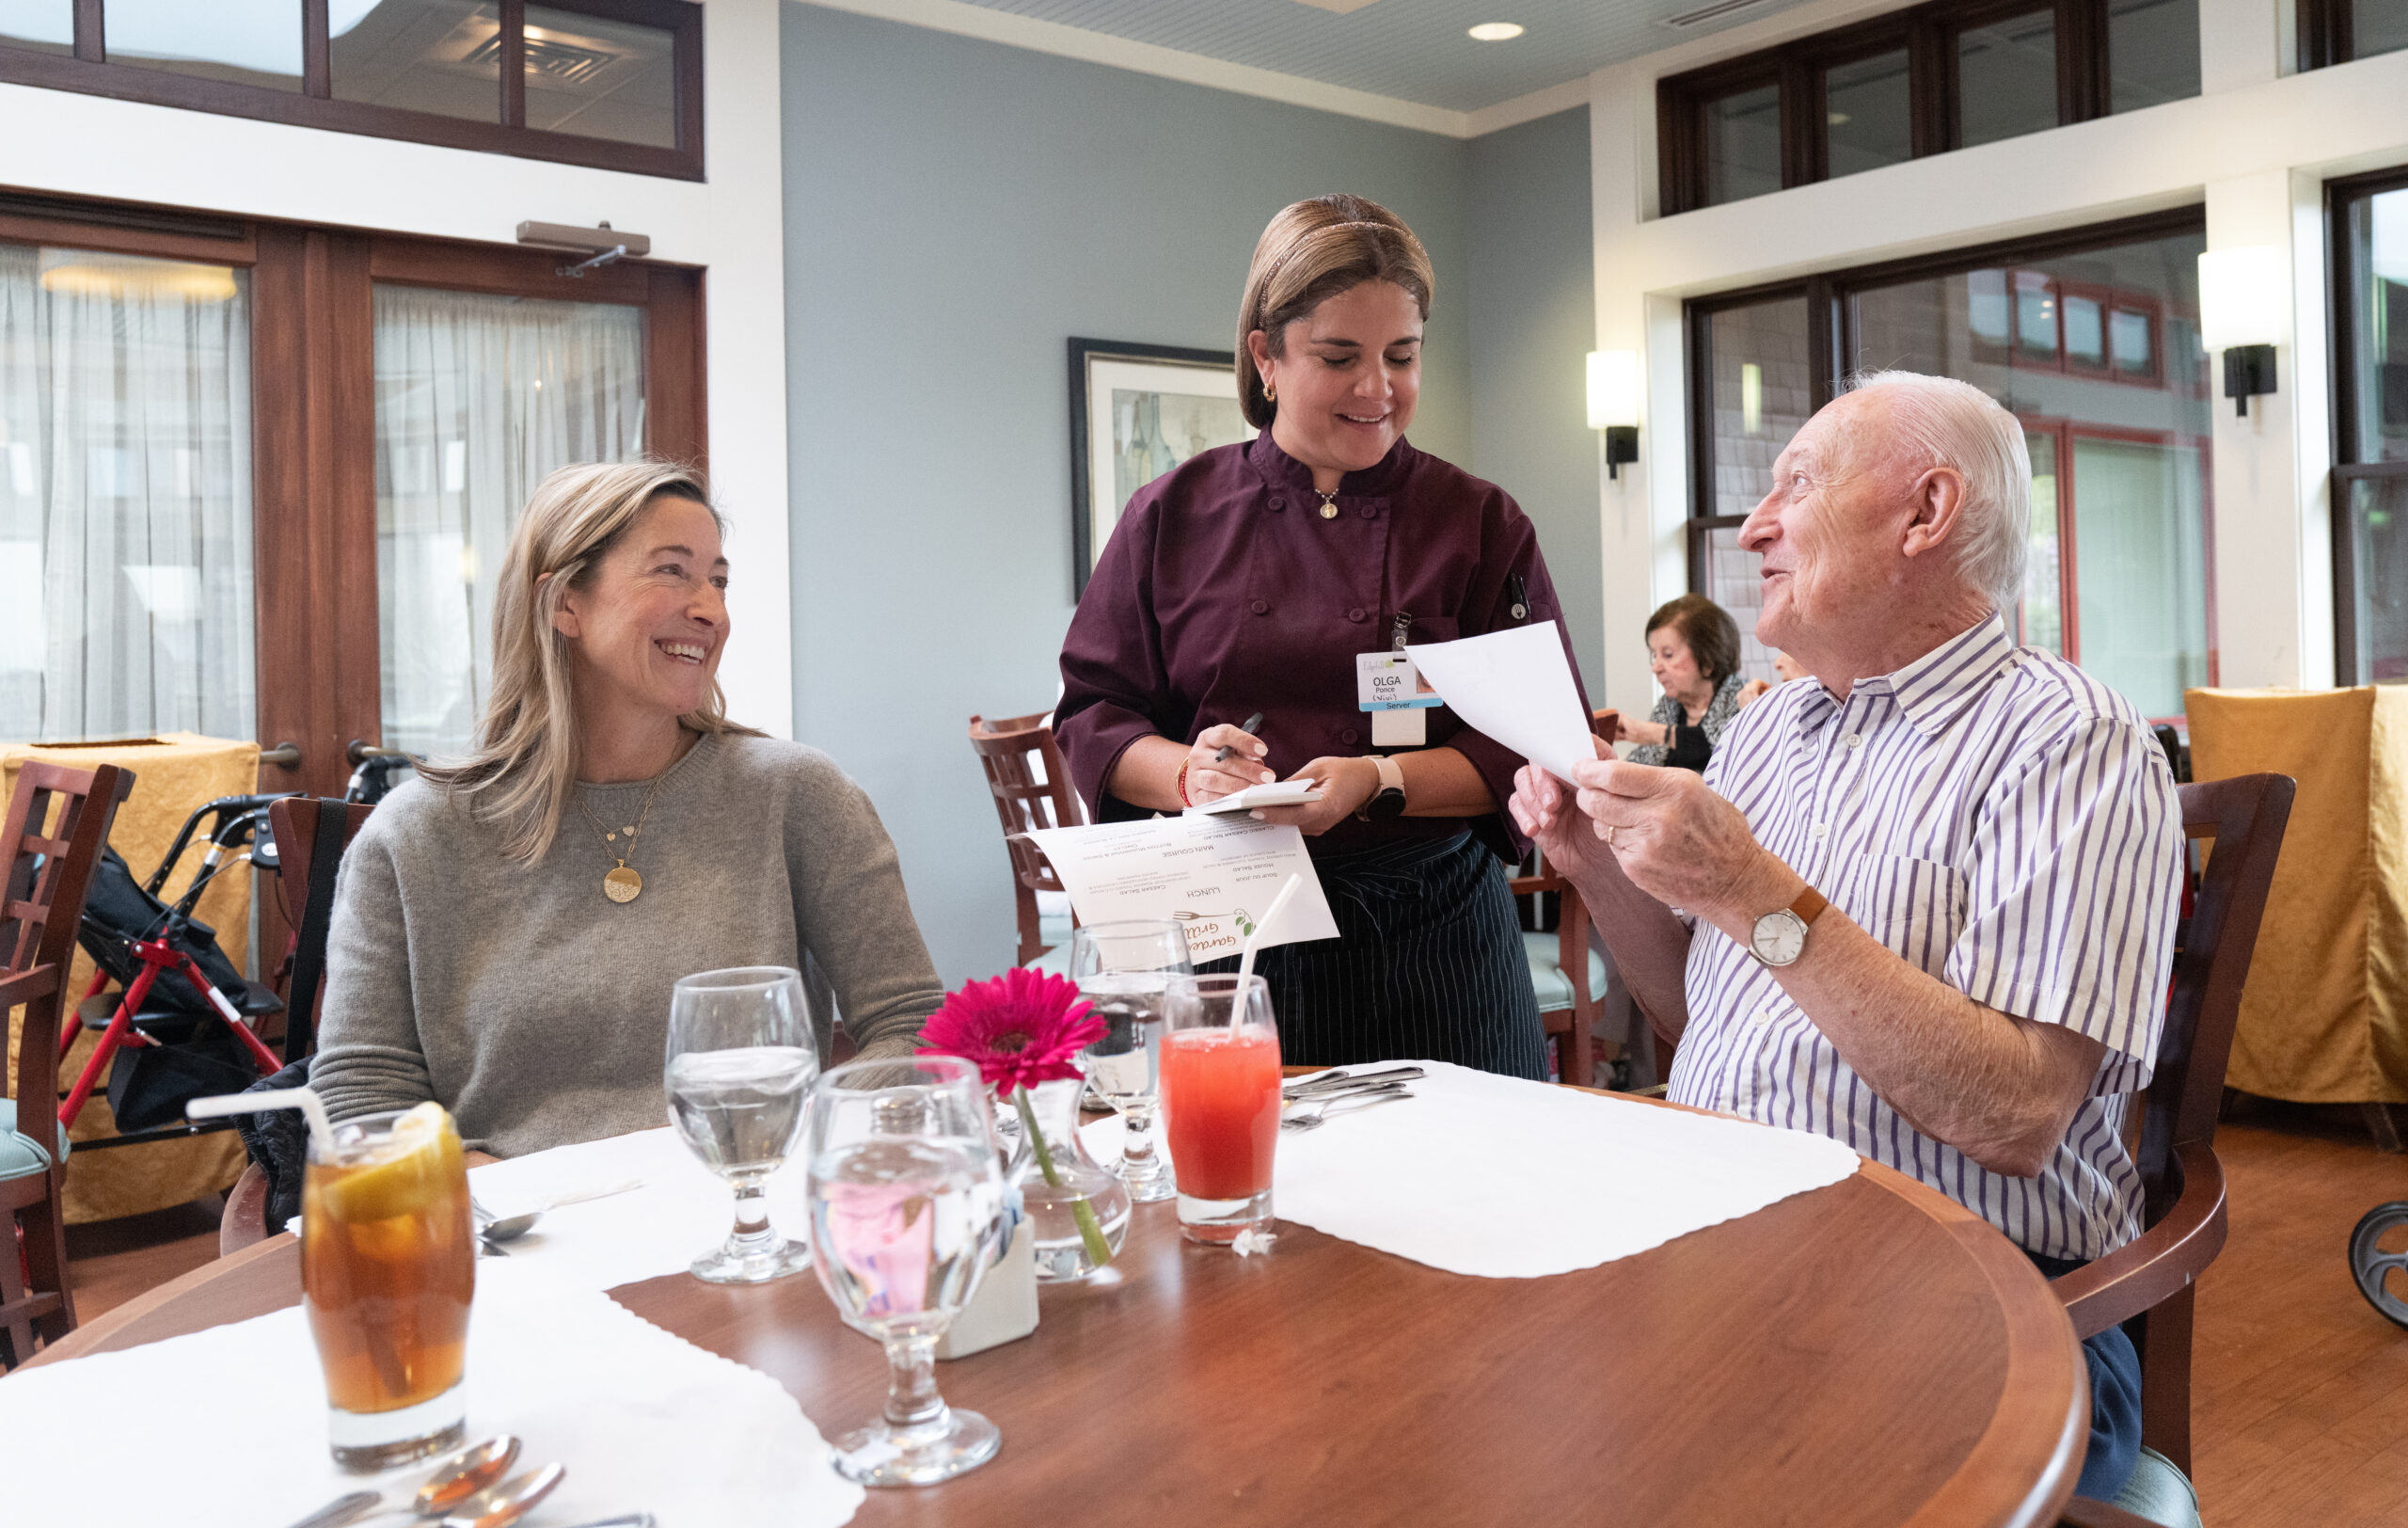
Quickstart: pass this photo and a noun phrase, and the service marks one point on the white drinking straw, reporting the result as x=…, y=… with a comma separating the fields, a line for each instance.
x=313, y=1109
x=1246, y=961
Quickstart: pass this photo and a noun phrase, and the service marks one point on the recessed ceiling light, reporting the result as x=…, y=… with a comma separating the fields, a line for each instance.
x=1495, y=31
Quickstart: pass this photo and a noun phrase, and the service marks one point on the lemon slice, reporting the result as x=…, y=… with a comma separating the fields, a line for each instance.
x=417, y=1165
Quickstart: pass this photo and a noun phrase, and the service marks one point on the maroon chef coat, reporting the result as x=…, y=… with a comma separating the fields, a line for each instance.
x=1224, y=590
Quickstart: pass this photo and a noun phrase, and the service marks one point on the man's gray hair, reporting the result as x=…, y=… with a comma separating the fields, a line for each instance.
x=1956, y=424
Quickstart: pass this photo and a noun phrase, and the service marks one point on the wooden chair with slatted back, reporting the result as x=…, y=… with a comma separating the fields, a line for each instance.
x=300, y=881
x=42, y=902
x=1031, y=786
x=2151, y=1280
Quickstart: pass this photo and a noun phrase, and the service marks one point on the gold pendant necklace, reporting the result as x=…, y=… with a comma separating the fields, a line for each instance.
x=621, y=883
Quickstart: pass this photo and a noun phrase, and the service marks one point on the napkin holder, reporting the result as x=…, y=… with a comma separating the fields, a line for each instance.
x=1005, y=1308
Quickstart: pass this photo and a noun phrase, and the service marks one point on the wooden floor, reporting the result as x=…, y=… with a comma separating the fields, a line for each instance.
x=2300, y=1404
x=2299, y=1390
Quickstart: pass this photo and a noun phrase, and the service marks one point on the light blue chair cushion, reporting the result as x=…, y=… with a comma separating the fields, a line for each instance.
x=21, y=1157
x=1554, y=987
x=2157, y=1491
x=1056, y=961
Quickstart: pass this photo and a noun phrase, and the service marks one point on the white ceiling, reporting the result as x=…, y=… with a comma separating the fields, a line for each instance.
x=1411, y=50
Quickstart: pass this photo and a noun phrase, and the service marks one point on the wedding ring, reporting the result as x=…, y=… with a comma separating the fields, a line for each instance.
x=1611, y=831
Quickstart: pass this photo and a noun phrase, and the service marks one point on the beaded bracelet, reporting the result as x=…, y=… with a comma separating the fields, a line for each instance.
x=1180, y=783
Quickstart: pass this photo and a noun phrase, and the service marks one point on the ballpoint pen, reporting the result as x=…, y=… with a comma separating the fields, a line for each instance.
x=1249, y=725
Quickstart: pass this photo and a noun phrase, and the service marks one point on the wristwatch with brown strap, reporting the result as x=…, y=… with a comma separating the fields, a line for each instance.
x=1779, y=937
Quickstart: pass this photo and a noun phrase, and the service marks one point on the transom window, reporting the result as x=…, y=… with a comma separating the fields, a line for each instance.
x=1949, y=74
x=617, y=84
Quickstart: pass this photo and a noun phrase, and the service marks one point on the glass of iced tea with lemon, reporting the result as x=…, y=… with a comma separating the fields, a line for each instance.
x=388, y=1270
x=1220, y=1088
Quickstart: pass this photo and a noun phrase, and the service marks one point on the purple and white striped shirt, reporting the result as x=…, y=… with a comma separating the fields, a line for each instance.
x=2000, y=820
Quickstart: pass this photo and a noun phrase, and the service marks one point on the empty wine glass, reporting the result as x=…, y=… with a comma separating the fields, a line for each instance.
x=741, y=1060
x=1122, y=969
x=906, y=1210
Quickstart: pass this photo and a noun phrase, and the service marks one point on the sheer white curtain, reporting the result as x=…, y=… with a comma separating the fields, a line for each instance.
x=477, y=398
x=125, y=497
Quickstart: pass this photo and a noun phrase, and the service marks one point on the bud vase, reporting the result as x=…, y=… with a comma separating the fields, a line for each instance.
x=1065, y=1248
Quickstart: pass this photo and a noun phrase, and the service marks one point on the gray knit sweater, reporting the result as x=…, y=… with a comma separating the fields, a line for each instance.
x=537, y=1010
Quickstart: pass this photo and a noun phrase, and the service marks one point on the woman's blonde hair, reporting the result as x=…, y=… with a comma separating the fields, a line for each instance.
x=1309, y=253
x=530, y=745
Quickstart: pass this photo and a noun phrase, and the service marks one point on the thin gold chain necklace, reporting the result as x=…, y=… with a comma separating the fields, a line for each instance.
x=621, y=883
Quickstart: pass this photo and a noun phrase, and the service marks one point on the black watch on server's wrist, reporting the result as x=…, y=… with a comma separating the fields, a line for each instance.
x=1388, y=801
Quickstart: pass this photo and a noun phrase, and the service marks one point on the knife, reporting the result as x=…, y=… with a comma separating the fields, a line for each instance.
x=1326, y=1082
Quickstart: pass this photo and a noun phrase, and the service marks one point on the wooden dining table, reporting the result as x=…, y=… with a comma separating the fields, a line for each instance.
x=1866, y=1353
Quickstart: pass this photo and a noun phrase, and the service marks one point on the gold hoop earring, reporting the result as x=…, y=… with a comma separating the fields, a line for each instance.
x=1270, y=393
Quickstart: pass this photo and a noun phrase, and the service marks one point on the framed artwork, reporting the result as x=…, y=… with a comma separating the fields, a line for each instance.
x=1136, y=412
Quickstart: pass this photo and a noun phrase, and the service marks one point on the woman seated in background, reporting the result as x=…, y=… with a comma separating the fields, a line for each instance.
x=506, y=929
x=1693, y=649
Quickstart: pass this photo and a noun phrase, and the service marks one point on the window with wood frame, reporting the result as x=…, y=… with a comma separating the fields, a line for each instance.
x=2341, y=31
x=2370, y=240
x=256, y=477
x=614, y=84
x=2090, y=338
x=1949, y=74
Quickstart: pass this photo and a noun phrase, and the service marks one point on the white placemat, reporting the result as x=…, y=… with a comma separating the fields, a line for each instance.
x=641, y=1419
x=1494, y=1176
x=682, y=1211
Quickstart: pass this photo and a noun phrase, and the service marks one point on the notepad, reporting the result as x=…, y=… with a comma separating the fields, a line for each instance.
x=1276, y=793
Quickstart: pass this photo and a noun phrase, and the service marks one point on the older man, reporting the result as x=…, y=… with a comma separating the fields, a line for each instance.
x=1923, y=902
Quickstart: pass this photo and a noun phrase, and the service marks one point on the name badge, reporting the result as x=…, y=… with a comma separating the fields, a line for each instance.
x=1388, y=682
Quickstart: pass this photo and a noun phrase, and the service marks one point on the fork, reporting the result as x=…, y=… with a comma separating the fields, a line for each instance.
x=1320, y=1106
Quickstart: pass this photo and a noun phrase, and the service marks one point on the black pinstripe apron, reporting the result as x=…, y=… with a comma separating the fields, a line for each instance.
x=1428, y=965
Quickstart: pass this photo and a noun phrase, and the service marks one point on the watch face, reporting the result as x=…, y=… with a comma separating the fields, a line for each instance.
x=1388, y=803
x=1779, y=938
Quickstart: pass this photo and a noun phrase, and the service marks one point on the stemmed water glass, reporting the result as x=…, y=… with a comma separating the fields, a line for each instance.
x=741, y=1060
x=1122, y=969
x=906, y=1210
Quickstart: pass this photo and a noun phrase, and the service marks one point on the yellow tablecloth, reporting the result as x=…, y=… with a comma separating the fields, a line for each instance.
x=174, y=774
x=2324, y=1018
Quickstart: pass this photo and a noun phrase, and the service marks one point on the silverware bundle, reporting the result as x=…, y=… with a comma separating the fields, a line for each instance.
x=1312, y=1097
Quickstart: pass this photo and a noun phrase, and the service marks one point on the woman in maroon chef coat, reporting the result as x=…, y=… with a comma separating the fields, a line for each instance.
x=1249, y=578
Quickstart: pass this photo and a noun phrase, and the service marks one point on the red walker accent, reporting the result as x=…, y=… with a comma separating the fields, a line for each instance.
x=157, y=956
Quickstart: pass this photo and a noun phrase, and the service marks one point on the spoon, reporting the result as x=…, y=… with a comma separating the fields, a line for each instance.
x=1387, y=1093
x=460, y=1475
x=457, y=1476
x=512, y=1227
x=506, y=1504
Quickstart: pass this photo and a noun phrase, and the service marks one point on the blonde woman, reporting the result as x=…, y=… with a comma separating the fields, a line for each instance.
x=1250, y=578
x=506, y=929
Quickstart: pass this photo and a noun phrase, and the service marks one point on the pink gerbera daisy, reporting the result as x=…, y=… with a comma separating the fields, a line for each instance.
x=1020, y=1029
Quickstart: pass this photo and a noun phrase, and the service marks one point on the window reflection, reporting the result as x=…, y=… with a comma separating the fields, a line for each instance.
x=600, y=79
x=253, y=42
x=42, y=26
x=2378, y=533
x=1763, y=369
x=2006, y=78
x=2097, y=354
x=432, y=55
x=1743, y=145
x=1866, y=115
x=2152, y=52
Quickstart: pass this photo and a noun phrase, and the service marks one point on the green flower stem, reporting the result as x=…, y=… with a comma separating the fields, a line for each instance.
x=1098, y=1250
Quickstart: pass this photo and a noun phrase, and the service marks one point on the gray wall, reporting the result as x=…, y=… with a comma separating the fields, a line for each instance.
x=1533, y=322
x=955, y=211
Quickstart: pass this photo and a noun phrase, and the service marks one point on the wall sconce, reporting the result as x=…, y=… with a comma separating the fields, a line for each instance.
x=1613, y=405
x=2243, y=295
